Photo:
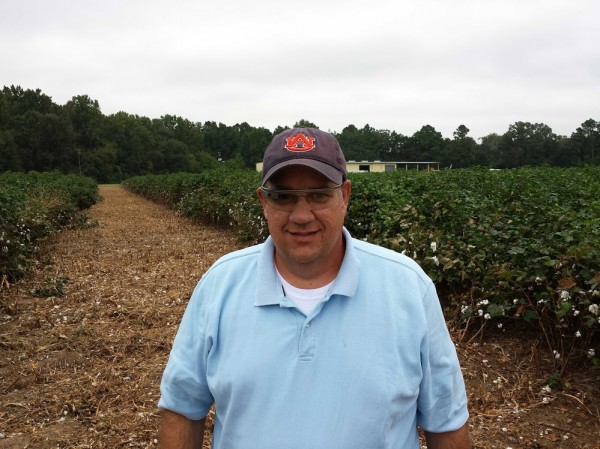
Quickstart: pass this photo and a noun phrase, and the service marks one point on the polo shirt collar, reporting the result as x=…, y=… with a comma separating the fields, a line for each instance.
x=269, y=290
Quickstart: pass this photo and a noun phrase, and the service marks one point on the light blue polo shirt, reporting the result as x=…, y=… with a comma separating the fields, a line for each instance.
x=367, y=365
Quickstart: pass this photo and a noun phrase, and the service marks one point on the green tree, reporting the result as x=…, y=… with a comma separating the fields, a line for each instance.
x=220, y=140
x=527, y=144
x=280, y=129
x=427, y=144
x=87, y=120
x=23, y=100
x=27, y=134
x=461, y=132
x=58, y=143
x=35, y=134
x=8, y=152
x=136, y=144
x=253, y=142
x=235, y=162
x=350, y=141
x=302, y=123
x=177, y=156
x=567, y=155
x=585, y=143
x=44, y=142
x=5, y=110
x=388, y=142
x=460, y=152
x=100, y=163
x=178, y=128
x=400, y=148
x=363, y=144
x=488, y=152
x=205, y=161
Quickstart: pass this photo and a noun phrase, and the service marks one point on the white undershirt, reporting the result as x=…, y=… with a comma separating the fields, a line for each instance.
x=304, y=298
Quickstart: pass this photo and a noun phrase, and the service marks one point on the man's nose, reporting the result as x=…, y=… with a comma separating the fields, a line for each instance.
x=302, y=211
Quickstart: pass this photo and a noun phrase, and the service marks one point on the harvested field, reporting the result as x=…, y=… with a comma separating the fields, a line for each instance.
x=85, y=337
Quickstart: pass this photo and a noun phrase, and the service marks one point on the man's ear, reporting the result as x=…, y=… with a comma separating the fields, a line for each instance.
x=346, y=190
x=261, y=196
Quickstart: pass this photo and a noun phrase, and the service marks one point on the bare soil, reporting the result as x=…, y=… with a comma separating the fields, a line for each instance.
x=84, y=339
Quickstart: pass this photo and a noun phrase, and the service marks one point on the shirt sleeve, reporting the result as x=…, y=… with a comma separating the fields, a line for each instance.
x=184, y=388
x=442, y=403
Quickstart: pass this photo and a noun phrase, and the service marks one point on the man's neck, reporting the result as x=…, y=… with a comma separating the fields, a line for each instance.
x=304, y=279
x=310, y=275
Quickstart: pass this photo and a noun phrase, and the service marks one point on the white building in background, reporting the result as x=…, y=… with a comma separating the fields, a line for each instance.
x=379, y=166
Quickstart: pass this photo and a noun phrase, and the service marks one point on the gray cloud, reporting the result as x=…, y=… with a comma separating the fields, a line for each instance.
x=393, y=65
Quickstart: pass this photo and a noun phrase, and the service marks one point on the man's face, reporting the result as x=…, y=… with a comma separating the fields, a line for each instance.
x=306, y=241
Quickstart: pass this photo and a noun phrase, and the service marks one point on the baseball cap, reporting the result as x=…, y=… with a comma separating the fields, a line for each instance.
x=309, y=147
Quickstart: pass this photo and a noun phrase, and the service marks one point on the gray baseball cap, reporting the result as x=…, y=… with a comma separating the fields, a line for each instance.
x=309, y=147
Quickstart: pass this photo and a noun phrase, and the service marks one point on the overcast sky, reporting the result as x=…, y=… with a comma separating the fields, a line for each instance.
x=397, y=64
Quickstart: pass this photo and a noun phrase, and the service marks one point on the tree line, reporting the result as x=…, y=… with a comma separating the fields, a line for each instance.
x=38, y=134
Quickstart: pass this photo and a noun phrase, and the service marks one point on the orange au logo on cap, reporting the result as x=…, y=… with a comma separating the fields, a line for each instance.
x=300, y=142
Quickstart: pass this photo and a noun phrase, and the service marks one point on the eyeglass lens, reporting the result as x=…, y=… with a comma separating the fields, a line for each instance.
x=315, y=199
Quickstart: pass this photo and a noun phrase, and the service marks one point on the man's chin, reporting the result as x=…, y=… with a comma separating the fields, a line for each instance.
x=302, y=256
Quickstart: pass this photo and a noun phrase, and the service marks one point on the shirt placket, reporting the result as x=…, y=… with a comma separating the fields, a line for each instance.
x=307, y=343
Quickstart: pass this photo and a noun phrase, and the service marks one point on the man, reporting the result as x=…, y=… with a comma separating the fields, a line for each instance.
x=313, y=339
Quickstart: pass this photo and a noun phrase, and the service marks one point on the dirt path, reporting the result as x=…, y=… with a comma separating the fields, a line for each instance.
x=82, y=369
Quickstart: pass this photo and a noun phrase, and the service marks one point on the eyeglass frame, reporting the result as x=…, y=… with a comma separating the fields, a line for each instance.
x=272, y=194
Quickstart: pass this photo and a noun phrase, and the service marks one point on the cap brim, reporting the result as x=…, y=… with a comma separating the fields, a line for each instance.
x=331, y=173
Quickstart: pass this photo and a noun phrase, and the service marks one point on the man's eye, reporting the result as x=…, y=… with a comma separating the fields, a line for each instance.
x=284, y=197
x=320, y=197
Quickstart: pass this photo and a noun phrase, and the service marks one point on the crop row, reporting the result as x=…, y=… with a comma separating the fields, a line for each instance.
x=504, y=247
x=32, y=206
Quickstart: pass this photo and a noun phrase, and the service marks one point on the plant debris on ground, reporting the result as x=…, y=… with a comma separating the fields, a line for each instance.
x=84, y=339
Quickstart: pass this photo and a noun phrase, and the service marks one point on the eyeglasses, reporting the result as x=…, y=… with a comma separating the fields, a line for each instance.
x=316, y=199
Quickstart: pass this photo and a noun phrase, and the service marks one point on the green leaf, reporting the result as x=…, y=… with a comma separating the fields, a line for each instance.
x=495, y=310
x=563, y=309
x=530, y=316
